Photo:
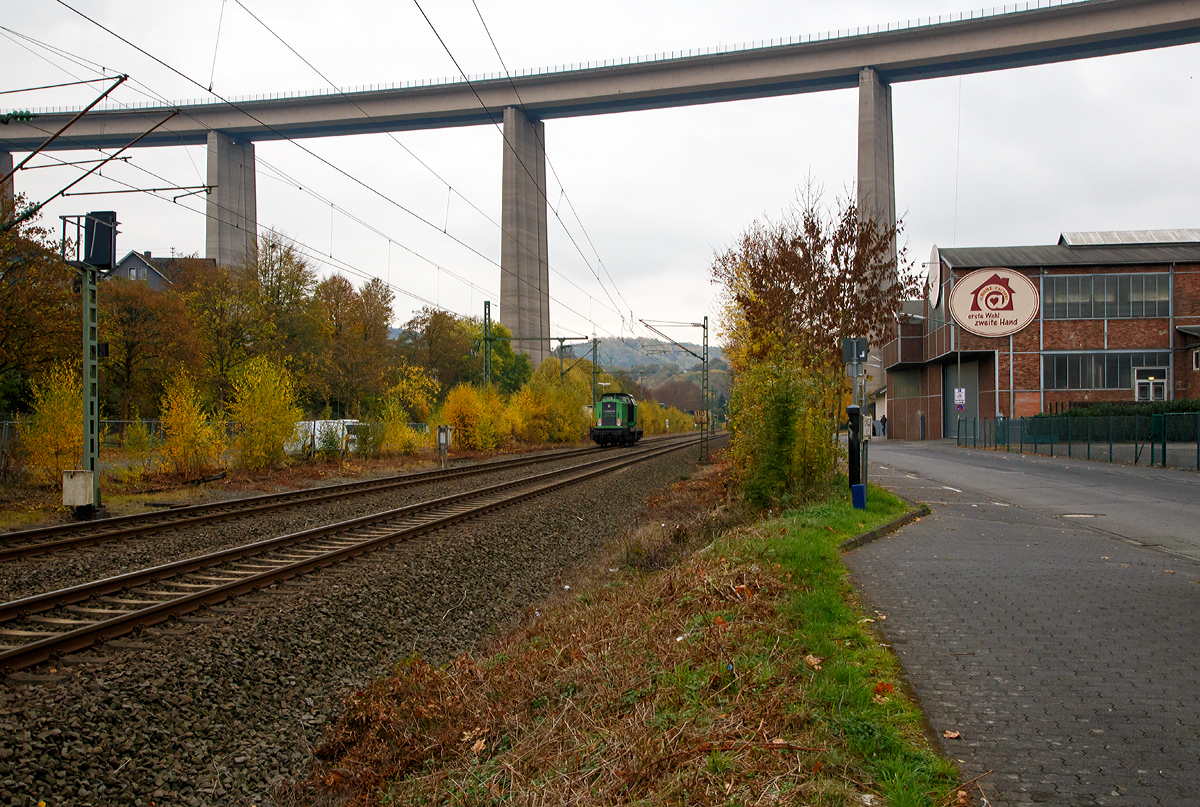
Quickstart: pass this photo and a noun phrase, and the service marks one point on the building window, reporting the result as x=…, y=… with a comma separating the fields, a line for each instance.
x=1196, y=359
x=906, y=383
x=1137, y=296
x=1097, y=370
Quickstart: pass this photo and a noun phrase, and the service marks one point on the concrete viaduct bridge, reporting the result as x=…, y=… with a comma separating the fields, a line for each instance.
x=871, y=59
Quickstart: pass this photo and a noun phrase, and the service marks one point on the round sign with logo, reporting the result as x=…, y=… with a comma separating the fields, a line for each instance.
x=994, y=302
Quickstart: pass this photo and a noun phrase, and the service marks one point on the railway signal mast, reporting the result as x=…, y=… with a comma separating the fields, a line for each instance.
x=81, y=488
x=704, y=415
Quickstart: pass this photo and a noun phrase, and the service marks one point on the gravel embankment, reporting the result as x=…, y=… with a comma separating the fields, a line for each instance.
x=53, y=571
x=218, y=709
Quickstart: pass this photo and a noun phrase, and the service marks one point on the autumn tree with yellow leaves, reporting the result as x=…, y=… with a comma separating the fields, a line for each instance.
x=264, y=413
x=193, y=441
x=52, y=434
x=791, y=290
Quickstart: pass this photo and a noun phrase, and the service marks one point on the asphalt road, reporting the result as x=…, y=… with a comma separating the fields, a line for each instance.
x=1152, y=506
x=1049, y=612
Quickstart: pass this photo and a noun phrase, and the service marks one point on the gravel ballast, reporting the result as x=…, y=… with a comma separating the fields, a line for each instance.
x=219, y=708
x=53, y=571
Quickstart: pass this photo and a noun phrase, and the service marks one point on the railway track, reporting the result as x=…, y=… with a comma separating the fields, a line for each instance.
x=46, y=626
x=61, y=537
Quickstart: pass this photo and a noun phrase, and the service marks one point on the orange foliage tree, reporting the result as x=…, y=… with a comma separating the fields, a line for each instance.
x=791, y=290
x=52, y=434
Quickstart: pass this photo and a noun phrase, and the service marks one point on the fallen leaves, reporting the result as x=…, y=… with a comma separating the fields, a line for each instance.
x=952, y=735
x=813, y=661
x=884, y=688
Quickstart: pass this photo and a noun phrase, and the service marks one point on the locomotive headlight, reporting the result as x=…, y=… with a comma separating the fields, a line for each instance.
x=618, y=421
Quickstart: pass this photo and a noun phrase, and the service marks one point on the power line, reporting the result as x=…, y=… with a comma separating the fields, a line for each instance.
x=311, y=252
x=158, y=98
x=553, y=170
x=366, y=114
x=520, y=161
x=270, y=128
x=291, y=140
x=148, y=92
x=412, y=154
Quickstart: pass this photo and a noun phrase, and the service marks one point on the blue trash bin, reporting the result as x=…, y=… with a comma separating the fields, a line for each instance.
x=858, y=496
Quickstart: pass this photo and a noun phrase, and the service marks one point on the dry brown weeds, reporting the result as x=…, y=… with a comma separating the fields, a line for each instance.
x=667, y=689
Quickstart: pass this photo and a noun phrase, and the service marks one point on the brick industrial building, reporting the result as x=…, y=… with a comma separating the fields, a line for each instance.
x=1117, y=319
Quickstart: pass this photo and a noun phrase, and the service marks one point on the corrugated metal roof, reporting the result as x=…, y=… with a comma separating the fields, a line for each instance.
x=1060, y=255
x=1115, y=237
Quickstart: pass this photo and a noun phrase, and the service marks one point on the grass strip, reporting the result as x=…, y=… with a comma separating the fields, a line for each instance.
x=746, y=673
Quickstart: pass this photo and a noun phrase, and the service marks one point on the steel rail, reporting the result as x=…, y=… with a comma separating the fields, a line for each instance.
x=442, y=512
x=111, y=529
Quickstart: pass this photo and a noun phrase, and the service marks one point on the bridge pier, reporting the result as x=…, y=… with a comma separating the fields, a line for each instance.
x=6, y=189
x=876, y=197
x=231, y=228
x=524, y=249
x=876, y=161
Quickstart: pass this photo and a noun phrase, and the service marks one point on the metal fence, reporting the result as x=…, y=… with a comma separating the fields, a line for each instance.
x=1170, y=440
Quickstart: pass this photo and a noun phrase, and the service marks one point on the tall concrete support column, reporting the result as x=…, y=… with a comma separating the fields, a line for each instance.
x=6, y=189
x=876, y=162
x=524, y=250
x=876, y=201
x=231, y=229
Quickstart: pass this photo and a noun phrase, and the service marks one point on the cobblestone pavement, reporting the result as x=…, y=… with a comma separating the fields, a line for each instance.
x=1066, y=657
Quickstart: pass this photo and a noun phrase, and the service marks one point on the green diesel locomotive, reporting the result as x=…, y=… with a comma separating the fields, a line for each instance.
x=616, y=420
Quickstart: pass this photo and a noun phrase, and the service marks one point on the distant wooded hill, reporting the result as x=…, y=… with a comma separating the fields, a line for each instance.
x=627, y=353
x=624, y=354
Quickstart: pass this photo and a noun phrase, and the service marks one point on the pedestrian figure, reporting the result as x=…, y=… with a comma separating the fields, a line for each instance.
x=883, y=425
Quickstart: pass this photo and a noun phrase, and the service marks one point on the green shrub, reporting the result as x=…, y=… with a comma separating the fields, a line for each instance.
x=785, y=444
x=52, y=435
x=1127, y=408
x=477, y=417
x=264, y=411
x=140, y=443
x=329, y=441
x=192, y=441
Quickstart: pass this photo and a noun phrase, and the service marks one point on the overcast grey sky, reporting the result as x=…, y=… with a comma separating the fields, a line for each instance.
x=1013, y=157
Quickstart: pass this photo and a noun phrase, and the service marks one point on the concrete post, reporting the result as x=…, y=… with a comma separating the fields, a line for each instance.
x=231, y=230
x=524, y=249
x=6, y=190
x=876, y=162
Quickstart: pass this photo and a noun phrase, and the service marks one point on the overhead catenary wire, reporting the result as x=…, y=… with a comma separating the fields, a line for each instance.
x=336, y=168
x=282, y=136
x=318, y=257
x=541, y=190
x=149, y=93
x=158, y=98
x=562, y=188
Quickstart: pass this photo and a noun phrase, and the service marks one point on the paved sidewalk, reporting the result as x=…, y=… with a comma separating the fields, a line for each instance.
x=1066, y=658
